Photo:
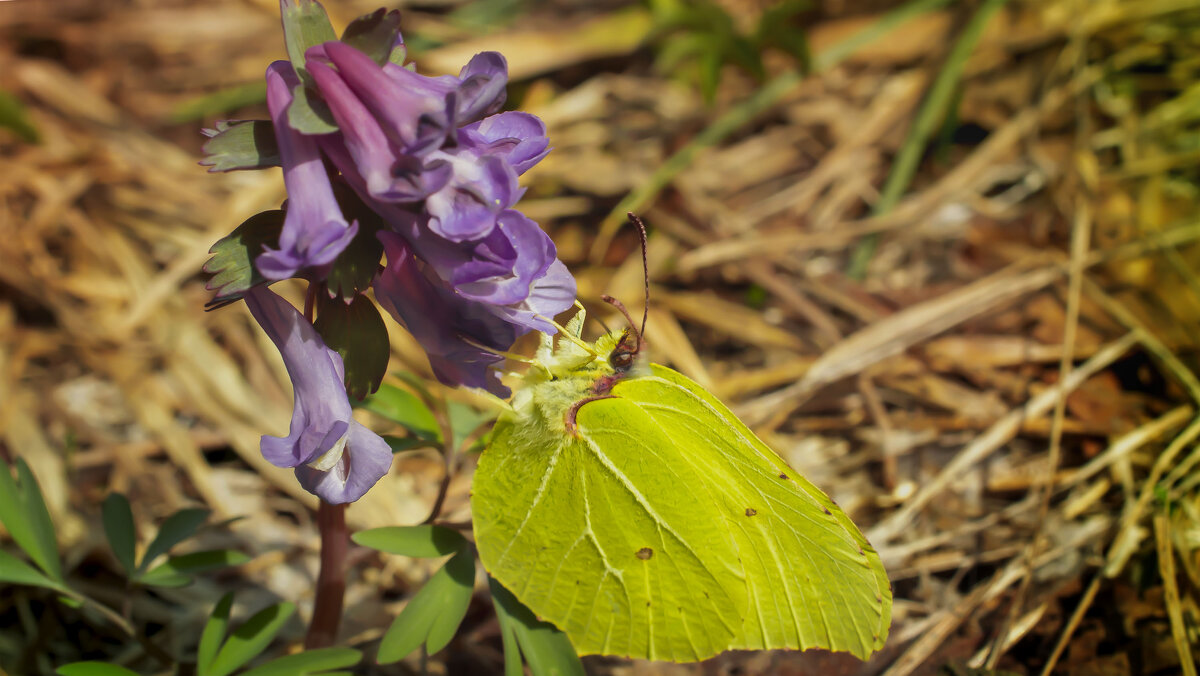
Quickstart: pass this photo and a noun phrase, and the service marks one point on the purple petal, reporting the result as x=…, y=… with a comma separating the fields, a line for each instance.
x=314, y=232
x=482, y=90
x=480, y=187
x=364, y=139
x=444, y=323
x=322, y=410
x=365, y=460
x=411, y=108
x=505, y=270
x=520, y=138
x=552, y=294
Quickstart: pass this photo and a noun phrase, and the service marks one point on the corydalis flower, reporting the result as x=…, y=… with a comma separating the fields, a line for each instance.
x=460, y=336
x=334, y=456
x=314, y=231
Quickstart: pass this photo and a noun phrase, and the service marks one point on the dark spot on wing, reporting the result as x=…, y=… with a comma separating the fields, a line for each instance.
x=750, y=511
x=647, y=604
x=783, y=476
x=645, y=553
x=826, y=510
x=860, y=551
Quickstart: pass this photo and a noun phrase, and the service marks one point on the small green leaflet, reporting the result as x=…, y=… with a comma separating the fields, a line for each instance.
x=661, y=527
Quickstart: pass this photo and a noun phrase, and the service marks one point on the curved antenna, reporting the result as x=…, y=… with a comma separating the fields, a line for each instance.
x=623, y=310
x=641, y=227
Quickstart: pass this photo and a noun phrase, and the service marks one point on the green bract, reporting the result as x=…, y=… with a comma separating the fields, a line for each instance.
x=660, y=527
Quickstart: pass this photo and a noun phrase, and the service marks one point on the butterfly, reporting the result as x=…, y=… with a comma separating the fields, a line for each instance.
x=626, y=505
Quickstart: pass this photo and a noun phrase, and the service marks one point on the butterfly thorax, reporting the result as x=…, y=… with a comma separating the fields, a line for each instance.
x=566, y=376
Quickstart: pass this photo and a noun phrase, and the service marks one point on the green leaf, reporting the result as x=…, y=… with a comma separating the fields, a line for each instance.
x=374, y=34
x=357, y=332
x=434, y=613
x=178, y=570
x=178, y=527
x=548, y=650
x=118, y=526
x=213, y=635
x=402, y=444
x=24, y=514
x=305, y=24
x=356, y=267
x=93, y=669
x=308, y=663
x=308, y=114
x=249, y=640
x=241, y=144
x=232, y=264
x=465, y=420
x=220, y=102
x=16, y=571
x=778, y=27
x=14, y=117
x=423, y=541
x=405, y=409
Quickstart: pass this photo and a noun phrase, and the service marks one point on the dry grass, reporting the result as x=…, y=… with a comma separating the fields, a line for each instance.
x=1005, y=401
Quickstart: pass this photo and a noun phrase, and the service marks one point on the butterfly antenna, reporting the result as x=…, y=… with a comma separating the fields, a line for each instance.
x=645, y=271
x=621, y=307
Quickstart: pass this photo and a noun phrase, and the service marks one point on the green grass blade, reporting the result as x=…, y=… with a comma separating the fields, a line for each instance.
x=249, y=640
x=547, y=650
x=213, y=635
x=742, y=114
x=16, y=571
x=24, y=514
x=434, y=613
x=119, y=528
x=415, y=541
x=933, y=109
x=93, y=669
x=178, y=527
x=308, y=663
x=178, y=570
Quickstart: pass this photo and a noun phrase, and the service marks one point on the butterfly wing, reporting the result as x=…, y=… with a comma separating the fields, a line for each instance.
x=614, y=542
x=812, y=578
x=667, y=530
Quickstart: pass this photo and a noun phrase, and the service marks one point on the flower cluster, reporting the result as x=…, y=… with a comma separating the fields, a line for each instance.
x=427, y=167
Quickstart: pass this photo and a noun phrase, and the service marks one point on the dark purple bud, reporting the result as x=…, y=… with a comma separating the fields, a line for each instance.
x=315, y=231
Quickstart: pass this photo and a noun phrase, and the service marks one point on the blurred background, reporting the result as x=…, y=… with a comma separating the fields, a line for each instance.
x=940, y=255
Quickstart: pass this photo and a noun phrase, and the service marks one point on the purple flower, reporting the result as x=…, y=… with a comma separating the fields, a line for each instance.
x=335, y=457
x=480, y=187
x=451, y=328
x=519, y=138
x=314, y=231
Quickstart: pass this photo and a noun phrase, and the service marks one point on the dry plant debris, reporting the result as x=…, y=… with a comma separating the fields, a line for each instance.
x=1005, y=398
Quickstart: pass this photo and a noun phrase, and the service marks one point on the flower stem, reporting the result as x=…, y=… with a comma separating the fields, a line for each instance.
x=331, y=581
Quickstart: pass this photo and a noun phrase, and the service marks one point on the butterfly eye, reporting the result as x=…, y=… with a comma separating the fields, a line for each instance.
x=621, y=360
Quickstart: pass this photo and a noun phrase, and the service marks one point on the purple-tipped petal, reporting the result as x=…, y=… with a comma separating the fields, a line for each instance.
x=314, y=232
x=412, y=109
x=364, y=139
x=482, y=91
x=519, y=138
x=322, y=428
x=365, y=460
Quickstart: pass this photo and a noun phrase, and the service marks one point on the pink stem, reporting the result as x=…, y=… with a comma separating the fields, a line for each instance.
x=331, y=581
